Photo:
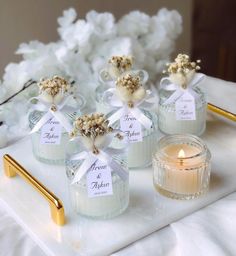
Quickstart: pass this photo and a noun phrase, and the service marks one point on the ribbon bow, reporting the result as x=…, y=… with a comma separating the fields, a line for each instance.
x=104, y=156
x=106, y=77
x=179, y=91
x=53, y=110
x=112, y=99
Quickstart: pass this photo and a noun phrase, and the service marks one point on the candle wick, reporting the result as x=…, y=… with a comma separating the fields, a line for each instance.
x=181, y=156
x=181, y=161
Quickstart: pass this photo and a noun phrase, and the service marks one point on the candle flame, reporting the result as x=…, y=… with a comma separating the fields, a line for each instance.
x=181, y=154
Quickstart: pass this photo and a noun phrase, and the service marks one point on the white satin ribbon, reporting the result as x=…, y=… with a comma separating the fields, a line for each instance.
x=179, y=91
x=58, y=115
x=107, y=78
x=104, y=156
x=112, y=100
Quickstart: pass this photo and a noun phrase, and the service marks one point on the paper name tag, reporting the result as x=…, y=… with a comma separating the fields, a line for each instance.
x=185, y=107
x=51, y=132
x=131, y=127
x=99, y=181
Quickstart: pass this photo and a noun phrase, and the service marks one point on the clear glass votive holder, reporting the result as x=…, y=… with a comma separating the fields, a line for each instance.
x=181, y=166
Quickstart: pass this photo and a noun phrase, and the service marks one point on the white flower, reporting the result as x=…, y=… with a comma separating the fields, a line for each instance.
x=158, y=44
x=76, y=67
x=134, y=24
x=138, y=54
x=14, y=77
x=2, y=114
x=84, y=48
x=61, y=51
x=3, y=136
x=116, y=46
x=32, y=49
x=77, y=36
x=3, y=93
x=170, y=21
x=149, y=64
x=97, y=63
x=68, y=17
x=103, y=23
x=83, y=31
x=104, y=51
x=160, y=65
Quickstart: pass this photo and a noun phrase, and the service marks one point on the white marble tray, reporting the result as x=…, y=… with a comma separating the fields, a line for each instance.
x=147, y=211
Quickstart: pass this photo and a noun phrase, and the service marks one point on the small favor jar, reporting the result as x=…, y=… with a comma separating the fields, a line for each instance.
x=128, y=105
x=101, y=107
x=141, y=143
x=51, y=118
x=97, y=173
x=181, y=166
x=117, y=65
x=182, y=104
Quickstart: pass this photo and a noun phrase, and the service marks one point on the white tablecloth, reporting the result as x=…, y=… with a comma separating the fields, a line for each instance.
x=210, y=231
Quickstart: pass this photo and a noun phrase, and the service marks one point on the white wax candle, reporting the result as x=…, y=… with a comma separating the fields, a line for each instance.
x=100, y=207
x=140, y=153
x=169, y=125
x=54, y=154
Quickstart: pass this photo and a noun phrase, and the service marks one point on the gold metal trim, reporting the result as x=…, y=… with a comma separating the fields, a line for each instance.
x=222, y=112
x=12, y=167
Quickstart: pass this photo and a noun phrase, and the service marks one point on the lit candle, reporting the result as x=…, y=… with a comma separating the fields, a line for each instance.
x=181, y=166
x=181, y=155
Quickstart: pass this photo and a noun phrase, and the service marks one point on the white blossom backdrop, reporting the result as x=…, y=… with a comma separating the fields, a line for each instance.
x=84, y=47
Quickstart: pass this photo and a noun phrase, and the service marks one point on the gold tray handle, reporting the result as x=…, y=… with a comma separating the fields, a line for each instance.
x=11, y=168
x=222, y=112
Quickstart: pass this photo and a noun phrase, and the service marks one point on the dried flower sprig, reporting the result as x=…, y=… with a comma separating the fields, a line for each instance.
x=121, y=63
x=53, y=86
x=91, y=126
x=54, y=90
x=182, y=64
x=129, y=89
x=130, y=82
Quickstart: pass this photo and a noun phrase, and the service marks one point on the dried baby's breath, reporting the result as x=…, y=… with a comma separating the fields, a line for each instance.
x=182, y=64
x=91, y=126
x=122, y=63
x=54, y=86
x=129, y=82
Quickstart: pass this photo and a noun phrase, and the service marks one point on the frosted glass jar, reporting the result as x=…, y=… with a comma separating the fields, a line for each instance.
x=181, y=166
x=46, y=153
x=102, y=207
x=167, y=117
x=101, y=107
x=140, y=153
